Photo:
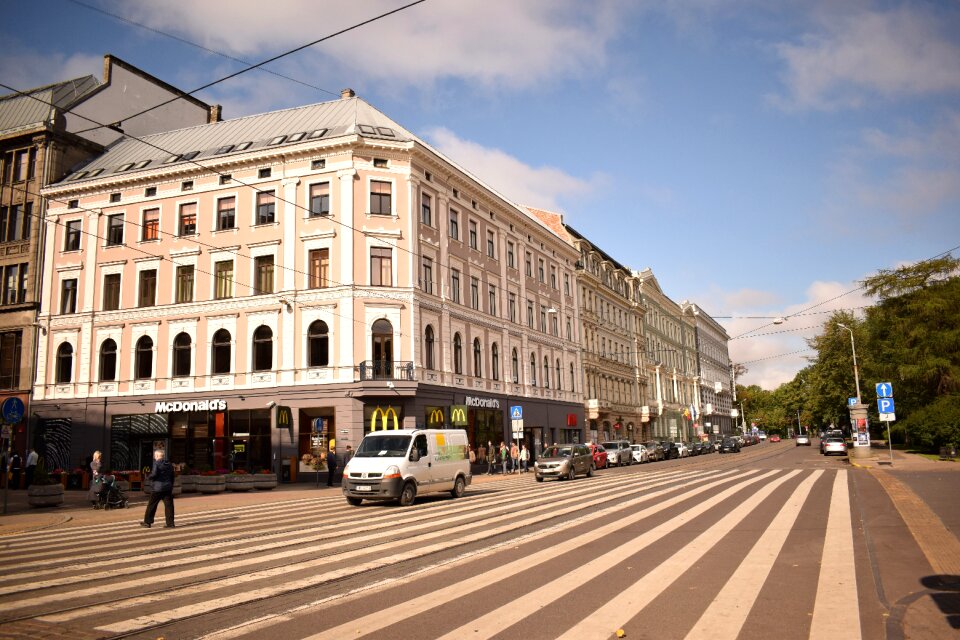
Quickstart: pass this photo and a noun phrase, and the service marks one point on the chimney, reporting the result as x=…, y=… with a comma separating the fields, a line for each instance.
x=347, y=93
x=214, y=113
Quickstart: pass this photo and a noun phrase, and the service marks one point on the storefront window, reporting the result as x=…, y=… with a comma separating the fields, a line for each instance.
x=248, y=442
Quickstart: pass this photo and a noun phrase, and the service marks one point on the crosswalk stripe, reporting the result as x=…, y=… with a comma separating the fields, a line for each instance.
x=836, y=610
x=725, y=616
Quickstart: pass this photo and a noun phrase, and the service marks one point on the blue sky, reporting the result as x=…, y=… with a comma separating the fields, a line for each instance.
x=759, y=157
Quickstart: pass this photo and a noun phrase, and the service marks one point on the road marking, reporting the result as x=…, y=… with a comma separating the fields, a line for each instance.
x=938, y=544
x=631, y=601
x=725, y=616
x=836, y=610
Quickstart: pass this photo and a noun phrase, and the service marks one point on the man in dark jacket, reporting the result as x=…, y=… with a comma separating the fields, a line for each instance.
x=162, y=489
x=331, y=466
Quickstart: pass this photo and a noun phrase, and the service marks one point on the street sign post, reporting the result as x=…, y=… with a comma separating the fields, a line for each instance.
x=884, y=390
x=886, y=409
x=885, y=405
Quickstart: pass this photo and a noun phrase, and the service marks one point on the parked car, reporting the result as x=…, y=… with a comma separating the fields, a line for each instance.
x=761, y=435
x=654, y=450
x=564, y=462
x=599, y=456
x=730, y=445
x=693, y=448
x=682, y=450
x=618, y=452
x=803, y=440
x=670, y=450
x=640, y=454
x=773, y=438
x=707, y=446
x=834, y=445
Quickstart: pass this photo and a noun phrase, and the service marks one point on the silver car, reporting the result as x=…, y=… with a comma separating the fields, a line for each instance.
x=640, y=453
x=619, y=453
x=803, y=439
x=564, y=462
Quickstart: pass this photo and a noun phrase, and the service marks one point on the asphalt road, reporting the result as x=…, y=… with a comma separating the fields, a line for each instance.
x=776, y=541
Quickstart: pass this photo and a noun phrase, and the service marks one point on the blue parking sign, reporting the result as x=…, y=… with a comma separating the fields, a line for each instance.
x=885, y=405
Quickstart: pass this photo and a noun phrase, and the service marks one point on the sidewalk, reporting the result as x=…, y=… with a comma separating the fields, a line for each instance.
x=76, y=509
x=880, y=459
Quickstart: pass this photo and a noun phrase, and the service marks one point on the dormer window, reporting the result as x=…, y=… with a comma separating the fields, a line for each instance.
x=277, y=140
x=243, y=146
x=171, y=159
x=227, y=148
x=319, y=133
x=124, y=167
x=367, y=129
x=297, y=137
x=190, y=156
x=142, y=164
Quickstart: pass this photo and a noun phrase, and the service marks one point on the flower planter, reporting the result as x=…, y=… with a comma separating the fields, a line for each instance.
x=239, y=482
x=211, y=484
x=188, y=483
x=264, y=480
x=45, y=495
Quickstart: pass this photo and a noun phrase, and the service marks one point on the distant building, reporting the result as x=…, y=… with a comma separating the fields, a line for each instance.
x=715, y=382
x=44, y=132
x=322, y=259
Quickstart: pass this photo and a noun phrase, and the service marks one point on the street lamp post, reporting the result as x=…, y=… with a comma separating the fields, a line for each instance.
x=856, y=372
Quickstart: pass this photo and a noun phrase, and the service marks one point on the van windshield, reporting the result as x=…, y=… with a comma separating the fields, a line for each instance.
x=557, y=452
x=385, y=446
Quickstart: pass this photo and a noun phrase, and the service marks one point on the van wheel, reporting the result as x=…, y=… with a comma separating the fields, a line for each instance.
x=408, y=495
x=354, y=502
x=458, y=487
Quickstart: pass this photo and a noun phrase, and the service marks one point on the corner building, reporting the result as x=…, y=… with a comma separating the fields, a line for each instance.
x=255, y=290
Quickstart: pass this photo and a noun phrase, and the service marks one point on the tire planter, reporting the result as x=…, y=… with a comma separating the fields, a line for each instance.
x=188, y=483
x=264, y=481
x=243, y=482
x=211, y=484
x=45, y=495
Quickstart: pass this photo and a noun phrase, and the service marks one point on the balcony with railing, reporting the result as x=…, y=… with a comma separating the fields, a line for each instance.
x=386, y=370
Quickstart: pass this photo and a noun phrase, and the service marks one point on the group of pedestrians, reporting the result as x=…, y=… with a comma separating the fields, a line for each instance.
x=510, y=458
x=18, y=468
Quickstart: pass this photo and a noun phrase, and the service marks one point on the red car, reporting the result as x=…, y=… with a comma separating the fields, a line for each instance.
x=599, y=456
x=773, y=439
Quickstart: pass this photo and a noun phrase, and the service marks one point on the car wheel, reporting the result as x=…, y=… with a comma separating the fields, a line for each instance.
x=573, y=473
x=408, y=494
x=590, y=471
x=539, y=479
x=354, y=502
x=458, y=487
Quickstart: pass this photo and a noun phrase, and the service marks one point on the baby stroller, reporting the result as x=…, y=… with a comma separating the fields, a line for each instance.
x=109, y=495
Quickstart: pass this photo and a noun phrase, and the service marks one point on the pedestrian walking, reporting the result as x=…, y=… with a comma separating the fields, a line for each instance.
x=15, y=469
x=482, y=454
x=161, y=475
x=514, y=458
x=31, y=466
x=347, y=457
x=524, y=459
x=331, y=466
x=504, y=456
x=491, y=455
x=95, y=478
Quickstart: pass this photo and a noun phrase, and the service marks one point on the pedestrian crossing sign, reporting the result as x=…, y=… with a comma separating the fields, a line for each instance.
x=516, y=413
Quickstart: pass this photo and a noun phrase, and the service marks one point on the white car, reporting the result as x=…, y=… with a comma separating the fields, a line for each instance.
x=834, y=445
x=803, y=440
x=683, y=451
x=640, y=453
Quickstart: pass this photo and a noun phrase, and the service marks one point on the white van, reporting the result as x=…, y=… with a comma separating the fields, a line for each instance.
x=401, y=464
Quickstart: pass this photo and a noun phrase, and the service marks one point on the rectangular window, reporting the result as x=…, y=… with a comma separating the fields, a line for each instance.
x=223, y=271
x=115, y=229
x=10, y=348
x=226, y=213
x=474, y=293
x=554, y=325
x=148, y=288
x=511, y=258
x=491, y=245
x=20, y=164
x=14, y=284
x=319, y=268
x=543, y=318
x=553, y=277
x=455, y=285
x=151, y=225
x=427, y=281
x=15, y=222
x=454, y=224
x=266, y=207
x=528, y=265
x=492, y=300
x=380, y=198
x=111, y=292
x=381, y=267
x=473, y=234
x=566, y=283
x=530, y=314
x=320, y=199
x=512, y=307
x=426, y=217
x=68, y=296
x=188, y=219
x=185, y=283
x=71, y=238
x=263, y=266
x=540, y=271
x=569, y=329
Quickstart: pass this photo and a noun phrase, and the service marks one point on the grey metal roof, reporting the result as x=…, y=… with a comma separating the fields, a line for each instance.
x=345, y=116
x=27, y=111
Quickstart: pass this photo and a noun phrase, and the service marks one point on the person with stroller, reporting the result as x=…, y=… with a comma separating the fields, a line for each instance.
x=95, y=481
x=161, y=475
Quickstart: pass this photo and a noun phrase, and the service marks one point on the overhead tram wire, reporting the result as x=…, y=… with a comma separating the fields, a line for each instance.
x=195, y=45
x=265, y=62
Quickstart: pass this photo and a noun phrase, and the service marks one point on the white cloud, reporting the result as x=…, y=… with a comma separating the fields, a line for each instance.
x=29, y=68
x=541, y=187
x=865, y=54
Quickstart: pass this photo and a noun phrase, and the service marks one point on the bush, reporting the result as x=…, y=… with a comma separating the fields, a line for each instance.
x=935, y=425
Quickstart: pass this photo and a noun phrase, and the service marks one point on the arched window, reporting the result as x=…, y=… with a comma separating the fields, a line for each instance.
x=573, y=387
x=263, y=348
x=428, y=344
x=108, y=360
x=143, y=359
x=318, y=344
x=477, y=358
x=533, y=369
x=515, y=363
x=382, y=334
x=546, y=372
x=558, y=372
x=495, y=361
x=181, y=355
x=457, y=354
x=65, y=362
x=220, y=352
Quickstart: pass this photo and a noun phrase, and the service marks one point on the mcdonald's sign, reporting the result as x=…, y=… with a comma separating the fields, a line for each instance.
x=458, y=415
x=383, y=419
x=284, y=417
x=435, y=418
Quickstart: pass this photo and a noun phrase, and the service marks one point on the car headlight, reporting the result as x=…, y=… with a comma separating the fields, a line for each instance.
x=393, y=471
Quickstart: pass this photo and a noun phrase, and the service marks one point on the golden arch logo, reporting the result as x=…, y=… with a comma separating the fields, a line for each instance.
x=284, y=417
x=458, y=415
x=436, y=417
x=383, y=417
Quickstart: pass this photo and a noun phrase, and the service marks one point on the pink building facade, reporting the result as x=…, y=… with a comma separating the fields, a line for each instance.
x=247, y=292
